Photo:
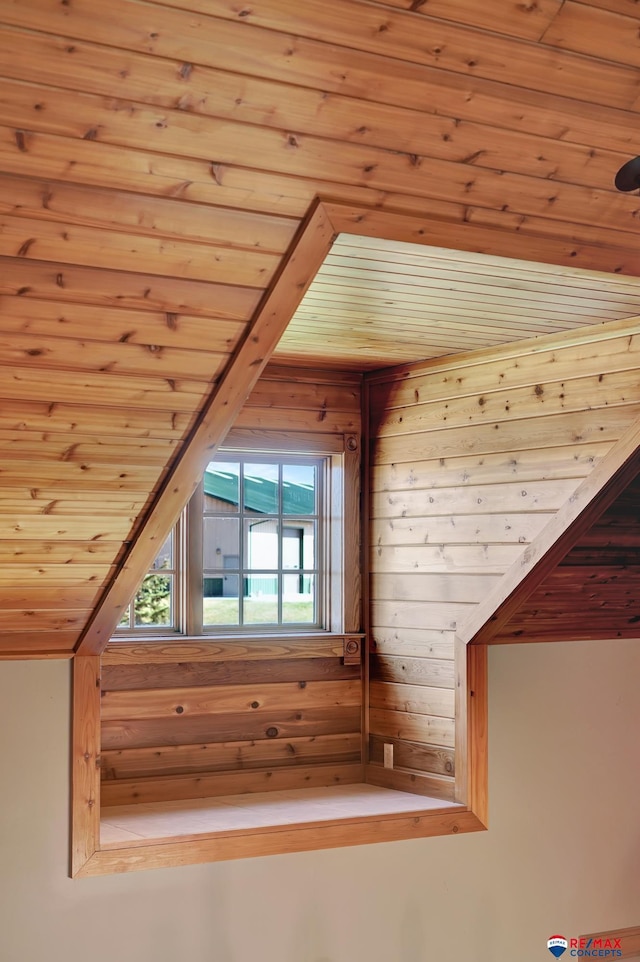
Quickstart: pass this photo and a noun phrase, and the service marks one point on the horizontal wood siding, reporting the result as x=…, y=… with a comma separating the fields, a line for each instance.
x=182, y=719
x=201, y=724
x=593, y=591
x=469, y=459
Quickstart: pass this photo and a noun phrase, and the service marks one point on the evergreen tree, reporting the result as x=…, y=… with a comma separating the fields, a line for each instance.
x=153, y=601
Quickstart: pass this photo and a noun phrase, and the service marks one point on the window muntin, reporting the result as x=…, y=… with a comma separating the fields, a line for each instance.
x=261, y=543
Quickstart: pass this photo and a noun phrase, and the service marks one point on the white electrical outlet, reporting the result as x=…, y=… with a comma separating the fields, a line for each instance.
x=388, y=756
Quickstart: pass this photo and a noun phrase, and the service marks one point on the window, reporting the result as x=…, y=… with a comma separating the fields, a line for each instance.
x=261, y=543
x=258, y=549
x=155, y=604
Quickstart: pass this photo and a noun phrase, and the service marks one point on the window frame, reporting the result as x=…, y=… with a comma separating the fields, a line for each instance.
x=195, y=539
x=339, y=579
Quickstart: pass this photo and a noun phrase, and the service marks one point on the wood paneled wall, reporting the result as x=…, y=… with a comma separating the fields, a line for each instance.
x=210, y=717
x=198, y=719
x=288, y=401
x=469, y=459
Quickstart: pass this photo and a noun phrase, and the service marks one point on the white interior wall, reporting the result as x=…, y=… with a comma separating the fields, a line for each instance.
x=562, y=854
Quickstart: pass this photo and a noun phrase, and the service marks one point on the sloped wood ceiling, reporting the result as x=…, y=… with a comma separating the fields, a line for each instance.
x=158, y=159
x=594, y=591
x=579, y=577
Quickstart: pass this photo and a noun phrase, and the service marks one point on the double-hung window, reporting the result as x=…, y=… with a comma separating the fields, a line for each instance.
x=252, y=552
x=261, y=543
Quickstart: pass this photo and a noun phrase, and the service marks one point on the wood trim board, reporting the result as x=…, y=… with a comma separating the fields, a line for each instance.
x=305, y=256
x=628, y=939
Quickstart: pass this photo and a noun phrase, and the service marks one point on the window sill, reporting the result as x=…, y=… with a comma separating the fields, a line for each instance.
x=317, y=635
x=162, y=834
x=131, y=651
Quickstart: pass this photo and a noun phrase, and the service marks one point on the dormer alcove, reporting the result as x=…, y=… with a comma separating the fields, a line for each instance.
x=448, y=443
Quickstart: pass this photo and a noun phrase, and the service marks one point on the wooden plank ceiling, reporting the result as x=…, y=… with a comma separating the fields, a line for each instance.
x=376, y=302
x=579, y=577
x=158, y=159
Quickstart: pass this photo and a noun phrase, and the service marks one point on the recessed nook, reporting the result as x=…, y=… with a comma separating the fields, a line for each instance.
x=215, y=747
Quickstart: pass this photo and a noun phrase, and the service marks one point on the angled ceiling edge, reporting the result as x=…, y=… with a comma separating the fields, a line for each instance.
x=300, y=264
x=576, y=516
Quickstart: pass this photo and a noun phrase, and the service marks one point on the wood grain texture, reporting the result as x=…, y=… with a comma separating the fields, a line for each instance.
x=218, y=717
x=136, y=254
x=431, y=672
x=412, y=755
x=221, y=410
x=178, y=787
x=425, y=729
x=229, y=756
x=159, y=159
x=77, y=456
x=576, y=516
x=477, y=765
x=597, y=576
x=198, y=650
x=265, y=697
x=438, y=817
x=259, y=671
x=414, y=782
x=85, y=778
x=413, y=699
x=147, y=733
x=449, y=515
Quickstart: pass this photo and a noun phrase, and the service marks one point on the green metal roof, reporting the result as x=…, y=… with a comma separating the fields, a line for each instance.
x=260, y=494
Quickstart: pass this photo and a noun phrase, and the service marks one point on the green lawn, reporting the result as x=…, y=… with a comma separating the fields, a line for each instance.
x=224, y=611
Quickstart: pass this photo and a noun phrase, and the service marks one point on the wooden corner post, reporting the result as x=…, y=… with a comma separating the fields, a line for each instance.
x=85, y=762
x=471, y=712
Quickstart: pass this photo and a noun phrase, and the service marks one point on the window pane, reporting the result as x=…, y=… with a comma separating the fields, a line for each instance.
x=164, y=558
x=261, y=488
x=221, y=611
x=275, y=531
x=292, y=547
x=298, y=489
x=298, y=599
x=298, y=544
x=221, y=545
x=261, y=544
x=260, y=600
x=222, y=487
x=152, y=604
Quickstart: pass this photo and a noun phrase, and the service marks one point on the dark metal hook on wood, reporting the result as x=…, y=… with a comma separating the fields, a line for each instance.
x=628, y=177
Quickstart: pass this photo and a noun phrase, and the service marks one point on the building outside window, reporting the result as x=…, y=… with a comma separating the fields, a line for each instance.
x=261, y=544
x=248, y=554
